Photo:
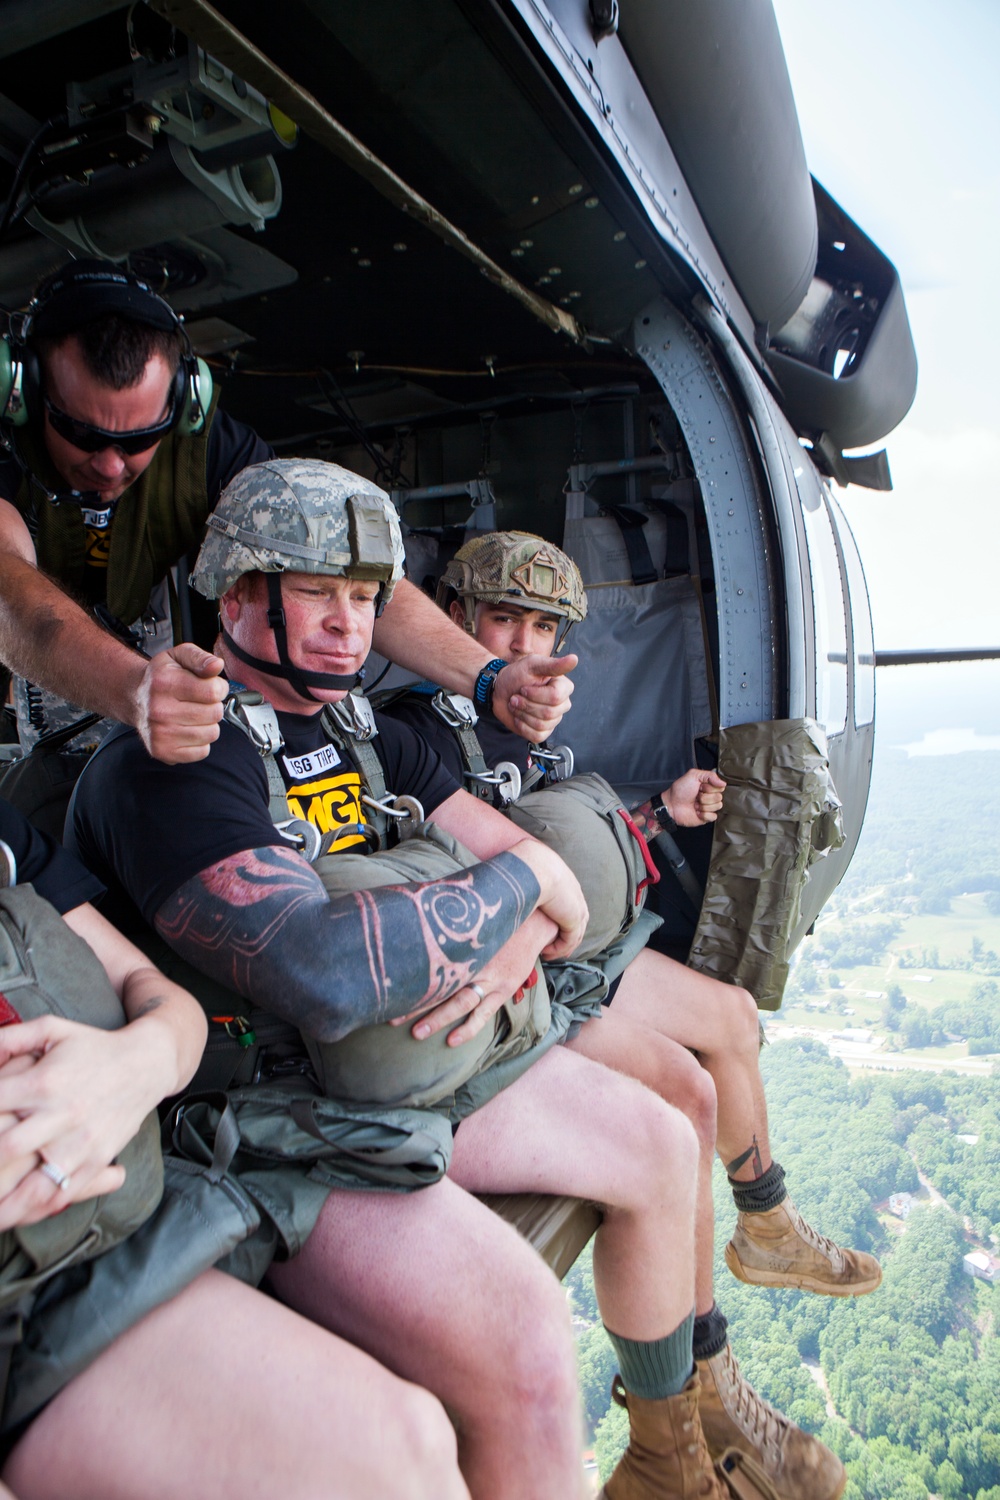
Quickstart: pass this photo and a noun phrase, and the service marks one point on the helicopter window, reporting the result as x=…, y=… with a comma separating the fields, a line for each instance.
x=831, y=620
x=861, y=622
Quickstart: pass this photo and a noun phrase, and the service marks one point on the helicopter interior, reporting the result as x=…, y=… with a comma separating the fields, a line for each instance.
x=439, y=279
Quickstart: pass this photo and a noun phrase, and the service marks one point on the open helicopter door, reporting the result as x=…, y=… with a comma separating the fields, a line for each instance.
x=734, y=671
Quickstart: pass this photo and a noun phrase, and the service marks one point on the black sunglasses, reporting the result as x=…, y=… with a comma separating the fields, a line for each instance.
x=95, y=439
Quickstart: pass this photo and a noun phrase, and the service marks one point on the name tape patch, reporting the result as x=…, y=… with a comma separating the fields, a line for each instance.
x=316, y=763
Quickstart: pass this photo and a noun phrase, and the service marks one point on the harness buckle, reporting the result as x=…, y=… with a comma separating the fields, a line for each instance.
x=355, y=716
x=407, y=811
x=505, y=780
x=555, y=764
x=250, y=712
x=454, y=710
x=304, y=835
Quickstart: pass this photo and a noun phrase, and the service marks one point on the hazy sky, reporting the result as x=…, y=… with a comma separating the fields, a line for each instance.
x=899, y=104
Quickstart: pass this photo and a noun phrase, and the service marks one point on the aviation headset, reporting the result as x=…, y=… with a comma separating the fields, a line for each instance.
x=73, y=296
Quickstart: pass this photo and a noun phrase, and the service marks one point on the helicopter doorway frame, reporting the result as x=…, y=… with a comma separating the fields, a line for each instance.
x=750, y=586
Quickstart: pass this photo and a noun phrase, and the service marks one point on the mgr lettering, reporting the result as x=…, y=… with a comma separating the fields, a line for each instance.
x=331, y=803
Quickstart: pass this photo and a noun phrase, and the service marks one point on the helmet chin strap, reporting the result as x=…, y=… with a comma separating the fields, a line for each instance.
x=297, y=677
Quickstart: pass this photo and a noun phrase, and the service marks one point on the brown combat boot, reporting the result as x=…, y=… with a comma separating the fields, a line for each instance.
x=778, y=1248
x=732, y=1414
x=666, y=1457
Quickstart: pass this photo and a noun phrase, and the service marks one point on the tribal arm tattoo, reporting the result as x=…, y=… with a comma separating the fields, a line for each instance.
x=262, y=923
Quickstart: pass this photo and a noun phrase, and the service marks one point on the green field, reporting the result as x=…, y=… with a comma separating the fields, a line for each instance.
x=860, y=998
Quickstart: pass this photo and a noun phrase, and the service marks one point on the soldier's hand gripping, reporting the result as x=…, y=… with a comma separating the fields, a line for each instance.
x=531, y=695
x=179, y=704
x=695, y=798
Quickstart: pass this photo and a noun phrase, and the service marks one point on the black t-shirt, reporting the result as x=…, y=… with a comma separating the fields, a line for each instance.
x=495, y=739
x=149, y=828
x=54, y=873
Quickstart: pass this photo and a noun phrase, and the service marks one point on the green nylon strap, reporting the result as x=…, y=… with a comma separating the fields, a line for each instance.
x=473, y=759
x=337, y=723
x=277, y=800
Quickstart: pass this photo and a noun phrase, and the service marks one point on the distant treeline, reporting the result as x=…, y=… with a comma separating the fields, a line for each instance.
x=931, y=829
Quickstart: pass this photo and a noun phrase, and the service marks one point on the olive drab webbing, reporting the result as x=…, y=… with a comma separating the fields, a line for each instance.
x=500, y=786
x=381, y=1065
x=384, y=1065
x=582, y=818
x=350, y=726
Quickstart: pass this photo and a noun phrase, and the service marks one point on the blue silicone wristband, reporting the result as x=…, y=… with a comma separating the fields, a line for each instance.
x=482, y=693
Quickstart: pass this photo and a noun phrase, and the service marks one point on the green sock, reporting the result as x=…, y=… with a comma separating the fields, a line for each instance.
x=659, y=1368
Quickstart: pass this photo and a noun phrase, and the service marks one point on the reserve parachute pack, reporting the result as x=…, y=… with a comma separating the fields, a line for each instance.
x=383, y=1065
x=581, y=818
x=74, y=1282
x=45, y=969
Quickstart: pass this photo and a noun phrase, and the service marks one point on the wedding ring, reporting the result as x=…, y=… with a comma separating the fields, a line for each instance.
x=478, y=989
x=55, y=1174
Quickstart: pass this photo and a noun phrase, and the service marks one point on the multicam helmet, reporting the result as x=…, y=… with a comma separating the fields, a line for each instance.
x=517, y=568
x=300, y=516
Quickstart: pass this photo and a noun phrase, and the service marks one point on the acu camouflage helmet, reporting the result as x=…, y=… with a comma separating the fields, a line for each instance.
x=300, y=516
x=516, y=568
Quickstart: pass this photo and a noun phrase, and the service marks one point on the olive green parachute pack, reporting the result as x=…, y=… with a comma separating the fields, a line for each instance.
x=72, y=1283
x=45, y=969
x=384, y=1066
x=583, y=820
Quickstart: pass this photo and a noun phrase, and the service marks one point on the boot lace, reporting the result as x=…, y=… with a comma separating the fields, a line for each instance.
x=816, y=1240
x=764, y=1428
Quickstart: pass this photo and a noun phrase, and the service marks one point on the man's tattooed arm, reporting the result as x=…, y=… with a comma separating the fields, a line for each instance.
x=262, y=923
x=693, y=799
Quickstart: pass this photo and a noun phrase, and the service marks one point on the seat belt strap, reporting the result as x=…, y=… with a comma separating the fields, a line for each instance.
x=640, y=561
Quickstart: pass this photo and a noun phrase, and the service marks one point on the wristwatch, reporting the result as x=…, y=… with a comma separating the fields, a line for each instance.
x=661, y=814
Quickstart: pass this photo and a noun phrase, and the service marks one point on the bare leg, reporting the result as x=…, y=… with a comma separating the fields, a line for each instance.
x=571, y=1126
x=223, y=1392
x=438, y=1288
x=670, y=1071
x=720, y=1023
